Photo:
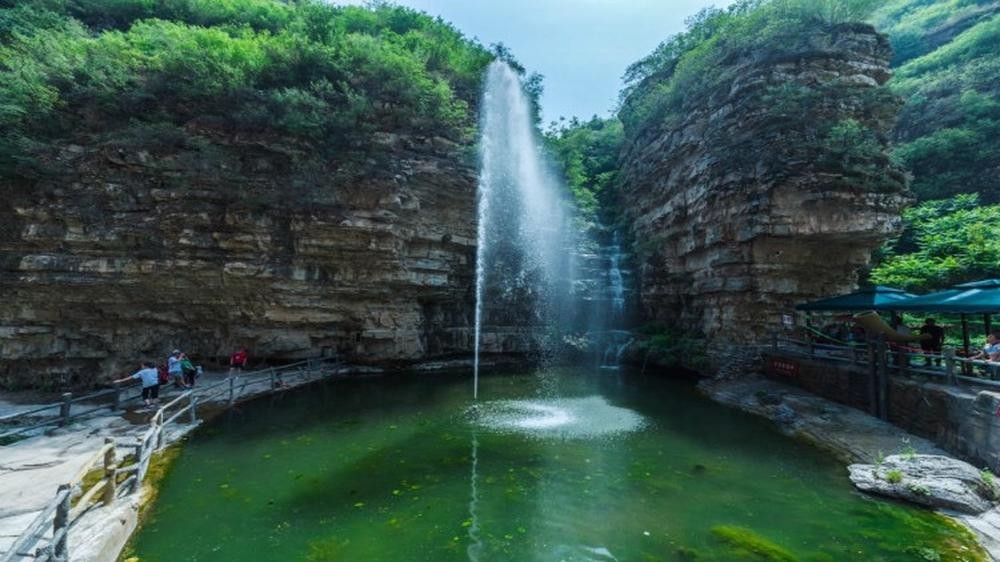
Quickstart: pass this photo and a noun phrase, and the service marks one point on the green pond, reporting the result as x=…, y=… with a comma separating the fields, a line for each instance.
x=569, y=465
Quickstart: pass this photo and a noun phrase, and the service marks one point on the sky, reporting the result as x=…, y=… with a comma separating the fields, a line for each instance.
x=581, y=47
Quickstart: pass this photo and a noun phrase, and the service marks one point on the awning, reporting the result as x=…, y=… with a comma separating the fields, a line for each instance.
x=875, y=298
x=979, y=297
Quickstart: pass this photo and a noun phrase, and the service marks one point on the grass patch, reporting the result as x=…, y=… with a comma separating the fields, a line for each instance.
x=894, y=476
x=748, y=545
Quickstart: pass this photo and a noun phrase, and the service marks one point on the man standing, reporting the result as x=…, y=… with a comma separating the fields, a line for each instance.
x=931, y=345
x=150, y=382
x=174, y=368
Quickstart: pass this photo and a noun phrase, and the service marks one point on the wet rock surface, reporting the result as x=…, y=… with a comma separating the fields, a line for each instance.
x=930, y=480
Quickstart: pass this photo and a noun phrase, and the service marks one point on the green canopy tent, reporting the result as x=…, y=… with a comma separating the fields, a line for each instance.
x=979, y=297
x=875, y=298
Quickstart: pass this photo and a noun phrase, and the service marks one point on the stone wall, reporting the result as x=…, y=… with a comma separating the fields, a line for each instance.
x=120, y=255
x=960, y=419
x=738, y=208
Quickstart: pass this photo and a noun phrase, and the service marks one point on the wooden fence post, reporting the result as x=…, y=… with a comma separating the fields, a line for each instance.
x=61, y=523
x=140, y=472
x=872, y=378
x=64, y=408
x=883, y=378
x=111, y=488
x=949, y=364
x=158, y=437
x=110, y=456
x=110, y=471
x=192, y=413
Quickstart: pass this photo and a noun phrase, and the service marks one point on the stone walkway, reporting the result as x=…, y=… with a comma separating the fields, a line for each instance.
x=32, y=469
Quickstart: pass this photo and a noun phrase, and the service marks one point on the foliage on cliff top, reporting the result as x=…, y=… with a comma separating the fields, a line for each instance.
x=686, y=68
x=587, y=152
x=329, y=75
x=946, y=242
x=948, y=52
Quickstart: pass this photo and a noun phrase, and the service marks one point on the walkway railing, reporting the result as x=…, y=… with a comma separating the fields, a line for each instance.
x=947, y=367
x=77, y=497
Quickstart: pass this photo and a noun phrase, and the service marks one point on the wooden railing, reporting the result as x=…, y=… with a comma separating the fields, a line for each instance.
x=60, y=513
x=946, y=367
x=68, y=408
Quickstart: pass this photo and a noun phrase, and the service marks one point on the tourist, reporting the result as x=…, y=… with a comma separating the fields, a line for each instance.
x=174, y=368
x=238, y=360
x=931, y=344
x=990, y=353
x=188, y=370
x=150, y=382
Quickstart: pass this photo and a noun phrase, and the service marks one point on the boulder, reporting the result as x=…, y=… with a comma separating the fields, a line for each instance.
x=930, y=480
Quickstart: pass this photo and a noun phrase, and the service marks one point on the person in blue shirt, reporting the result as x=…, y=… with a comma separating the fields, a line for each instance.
x=150, y=378
x=175, y=369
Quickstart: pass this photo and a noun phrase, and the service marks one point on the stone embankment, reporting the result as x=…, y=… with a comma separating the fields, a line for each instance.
x=742, y=206
x=118, y=256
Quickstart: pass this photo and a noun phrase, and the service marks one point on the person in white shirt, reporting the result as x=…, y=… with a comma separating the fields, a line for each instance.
x=991, y=351
x=150, y=378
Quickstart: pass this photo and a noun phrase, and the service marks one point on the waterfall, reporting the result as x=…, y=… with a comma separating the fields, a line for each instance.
x=521, y=256
x=615, y=281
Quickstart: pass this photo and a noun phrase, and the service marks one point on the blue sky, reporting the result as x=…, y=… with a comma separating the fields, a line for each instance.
x=582, y=47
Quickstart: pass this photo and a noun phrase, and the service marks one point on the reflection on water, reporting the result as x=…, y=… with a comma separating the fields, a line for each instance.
x=618, y=467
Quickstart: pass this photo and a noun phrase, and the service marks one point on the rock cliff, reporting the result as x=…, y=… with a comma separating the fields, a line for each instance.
x=119, y=255
x=760, y=196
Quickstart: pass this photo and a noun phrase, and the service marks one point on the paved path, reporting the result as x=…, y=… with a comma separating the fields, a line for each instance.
x=32, y=469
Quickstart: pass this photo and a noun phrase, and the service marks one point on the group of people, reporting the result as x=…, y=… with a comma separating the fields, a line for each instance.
x=181, y=369
x=178, y=368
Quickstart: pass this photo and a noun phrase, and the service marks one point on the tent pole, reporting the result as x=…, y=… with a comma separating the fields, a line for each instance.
x=965, y=334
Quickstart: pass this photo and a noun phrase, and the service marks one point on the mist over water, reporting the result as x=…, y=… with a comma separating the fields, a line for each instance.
x=522, y=265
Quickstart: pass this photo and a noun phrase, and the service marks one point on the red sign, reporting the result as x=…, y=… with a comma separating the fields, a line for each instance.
x=783, y=367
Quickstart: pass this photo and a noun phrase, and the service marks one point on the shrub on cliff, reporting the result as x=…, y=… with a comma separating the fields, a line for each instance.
x=803, y=122
x=948, y=134
x=946, y=242
x=587, y=152
x=328, y=75
x=689, y=66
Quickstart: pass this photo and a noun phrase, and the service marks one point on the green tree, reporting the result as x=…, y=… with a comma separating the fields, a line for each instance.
x=945, y=242
x=587, y=152
x=331, y=76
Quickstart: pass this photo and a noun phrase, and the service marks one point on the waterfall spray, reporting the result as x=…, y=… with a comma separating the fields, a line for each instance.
x=521, y=254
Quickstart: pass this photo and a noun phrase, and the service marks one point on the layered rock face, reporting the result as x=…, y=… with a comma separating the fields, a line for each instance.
x=123, y=255
x=741, y=208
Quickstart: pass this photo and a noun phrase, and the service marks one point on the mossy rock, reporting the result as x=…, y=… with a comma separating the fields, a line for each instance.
x=750, y=545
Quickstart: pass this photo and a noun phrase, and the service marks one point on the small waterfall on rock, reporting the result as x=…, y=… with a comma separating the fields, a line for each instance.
x=615, y=340
x=615, y=281
x=522, y=266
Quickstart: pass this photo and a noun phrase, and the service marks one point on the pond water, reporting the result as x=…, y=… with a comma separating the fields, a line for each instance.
x=617, y=467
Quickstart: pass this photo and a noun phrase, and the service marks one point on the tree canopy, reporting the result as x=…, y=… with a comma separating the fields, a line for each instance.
x=948, y=57
x=946, y=242
x=328, y=75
